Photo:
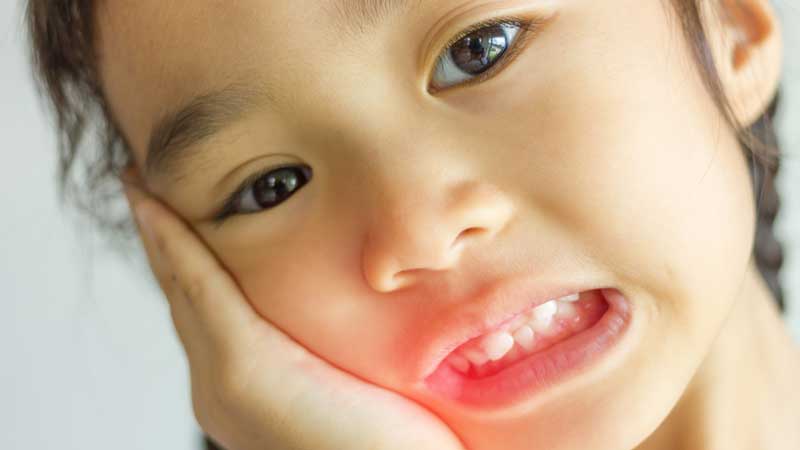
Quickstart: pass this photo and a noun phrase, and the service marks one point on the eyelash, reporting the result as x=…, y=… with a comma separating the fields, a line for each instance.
x=528, y=28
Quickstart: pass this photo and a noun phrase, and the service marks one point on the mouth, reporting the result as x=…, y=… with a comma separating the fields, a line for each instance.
x=538, y=347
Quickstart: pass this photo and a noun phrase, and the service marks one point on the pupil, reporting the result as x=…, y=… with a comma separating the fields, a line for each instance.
x=476, y=52
x=271, y=188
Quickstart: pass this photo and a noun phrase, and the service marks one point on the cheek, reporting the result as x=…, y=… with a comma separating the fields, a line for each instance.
x=644, y=173
x=296, y=280
x=634, y=161
x=307, y=283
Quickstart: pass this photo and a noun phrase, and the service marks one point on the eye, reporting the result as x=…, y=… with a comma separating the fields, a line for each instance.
x=264, y=190
x=473, y=54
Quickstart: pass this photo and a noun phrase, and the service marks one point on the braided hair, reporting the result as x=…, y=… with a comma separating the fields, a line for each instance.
x=767, y=250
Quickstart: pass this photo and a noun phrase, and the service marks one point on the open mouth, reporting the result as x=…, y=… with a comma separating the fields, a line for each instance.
x=537, y=348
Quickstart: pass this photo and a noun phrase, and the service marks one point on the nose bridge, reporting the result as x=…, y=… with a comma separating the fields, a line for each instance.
x=426, y=202
x=425, y=197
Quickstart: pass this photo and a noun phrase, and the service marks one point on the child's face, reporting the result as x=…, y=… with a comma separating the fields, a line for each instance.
x=594, y=159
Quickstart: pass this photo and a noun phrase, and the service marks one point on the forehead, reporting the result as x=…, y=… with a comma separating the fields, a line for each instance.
x=155, y=54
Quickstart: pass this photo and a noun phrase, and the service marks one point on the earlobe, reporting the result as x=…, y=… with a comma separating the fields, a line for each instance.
x=748, y=53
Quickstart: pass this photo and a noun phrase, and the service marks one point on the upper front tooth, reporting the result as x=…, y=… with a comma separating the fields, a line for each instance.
x=543, y=315
x=496, y=345
x=569, y=298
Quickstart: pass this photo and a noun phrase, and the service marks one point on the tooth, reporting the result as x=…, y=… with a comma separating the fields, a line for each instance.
x=543, y=316
x=475, y=356
x=567, y=310
x=497, y=344
x=459, y=362
x=524, y=337
x=569, y=298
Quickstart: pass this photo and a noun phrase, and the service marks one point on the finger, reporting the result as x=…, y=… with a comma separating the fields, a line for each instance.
x=207, y=289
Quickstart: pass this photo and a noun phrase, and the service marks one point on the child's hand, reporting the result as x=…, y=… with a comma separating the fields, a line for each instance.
x=252, y=386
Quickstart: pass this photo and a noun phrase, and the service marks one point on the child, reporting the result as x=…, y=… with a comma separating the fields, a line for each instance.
x=449, y=224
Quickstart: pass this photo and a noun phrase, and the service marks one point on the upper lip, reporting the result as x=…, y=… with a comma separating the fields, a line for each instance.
x=495, y=304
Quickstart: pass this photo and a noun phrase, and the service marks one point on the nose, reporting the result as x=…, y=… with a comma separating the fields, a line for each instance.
x=427, y=229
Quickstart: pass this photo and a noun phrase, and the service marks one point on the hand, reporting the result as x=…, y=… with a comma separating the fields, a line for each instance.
x=252, y=386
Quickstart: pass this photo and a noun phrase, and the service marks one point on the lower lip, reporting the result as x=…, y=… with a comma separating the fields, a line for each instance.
x=539, y=370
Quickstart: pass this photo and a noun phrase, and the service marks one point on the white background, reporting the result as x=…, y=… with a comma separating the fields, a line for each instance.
x=88, y=356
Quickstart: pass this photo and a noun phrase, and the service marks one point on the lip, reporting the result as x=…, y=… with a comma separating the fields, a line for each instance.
x=495, y=305
x=539, y=370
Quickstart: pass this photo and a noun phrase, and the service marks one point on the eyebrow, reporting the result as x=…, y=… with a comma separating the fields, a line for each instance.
x=173, y=143
x=174, y=140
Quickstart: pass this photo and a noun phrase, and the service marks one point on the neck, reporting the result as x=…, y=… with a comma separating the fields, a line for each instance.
x=744, y=394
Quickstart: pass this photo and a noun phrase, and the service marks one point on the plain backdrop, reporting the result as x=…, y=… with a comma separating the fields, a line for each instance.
x=88, y=355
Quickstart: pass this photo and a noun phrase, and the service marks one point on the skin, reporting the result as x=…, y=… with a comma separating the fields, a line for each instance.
x=599, y=136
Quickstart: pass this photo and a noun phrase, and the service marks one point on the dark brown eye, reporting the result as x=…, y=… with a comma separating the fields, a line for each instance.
x=477, y=51
x=474, y=53
x=271, y=189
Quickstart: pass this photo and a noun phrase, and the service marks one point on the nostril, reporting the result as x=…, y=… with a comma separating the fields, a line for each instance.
x=470, y=232
x=404, y=277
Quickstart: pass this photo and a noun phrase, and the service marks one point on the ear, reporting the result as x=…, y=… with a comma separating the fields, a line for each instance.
x=747, y=46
